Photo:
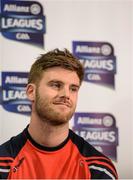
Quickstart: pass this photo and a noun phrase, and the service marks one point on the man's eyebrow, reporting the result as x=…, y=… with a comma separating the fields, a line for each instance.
x=75, y=85
x=55, y=80
x=61, y=82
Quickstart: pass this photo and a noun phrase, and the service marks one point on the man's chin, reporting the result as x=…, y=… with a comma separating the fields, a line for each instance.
x=56, y=117
x=60, y=119
x=63, y=109
x=57, y=123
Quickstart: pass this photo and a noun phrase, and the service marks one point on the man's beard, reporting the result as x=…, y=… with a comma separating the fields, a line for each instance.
x=44, y=110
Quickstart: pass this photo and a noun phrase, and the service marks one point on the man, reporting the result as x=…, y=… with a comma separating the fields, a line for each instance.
x=47, y=148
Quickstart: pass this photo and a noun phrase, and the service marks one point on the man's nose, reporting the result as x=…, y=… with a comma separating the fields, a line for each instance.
x=65, y=92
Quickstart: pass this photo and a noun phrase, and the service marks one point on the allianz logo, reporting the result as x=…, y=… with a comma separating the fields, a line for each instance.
x=15, y=8
x=16, y=80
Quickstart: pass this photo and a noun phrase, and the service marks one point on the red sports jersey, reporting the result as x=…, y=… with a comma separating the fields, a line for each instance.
x=22, y=158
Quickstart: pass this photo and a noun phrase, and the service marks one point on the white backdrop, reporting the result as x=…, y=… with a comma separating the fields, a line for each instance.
x=80, y=20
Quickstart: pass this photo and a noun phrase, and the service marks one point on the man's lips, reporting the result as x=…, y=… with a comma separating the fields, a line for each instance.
x=62, y=103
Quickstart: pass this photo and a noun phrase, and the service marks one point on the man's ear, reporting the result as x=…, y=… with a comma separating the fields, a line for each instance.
x=30, y=91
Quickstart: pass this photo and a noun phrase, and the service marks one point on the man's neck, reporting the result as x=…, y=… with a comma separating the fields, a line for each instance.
x=46, y=134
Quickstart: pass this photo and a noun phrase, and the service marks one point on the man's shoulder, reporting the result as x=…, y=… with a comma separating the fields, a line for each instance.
x=5, y=149
x=11, y=147
x=101, y=167
x=9, y=151
x=85, y=148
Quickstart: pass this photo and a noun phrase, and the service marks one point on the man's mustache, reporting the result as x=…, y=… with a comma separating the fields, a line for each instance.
x=63, y=101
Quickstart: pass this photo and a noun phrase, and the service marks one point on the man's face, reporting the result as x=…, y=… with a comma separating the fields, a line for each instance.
x=56, y=96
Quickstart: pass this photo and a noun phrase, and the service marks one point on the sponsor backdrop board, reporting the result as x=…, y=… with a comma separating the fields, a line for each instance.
x=99, y=34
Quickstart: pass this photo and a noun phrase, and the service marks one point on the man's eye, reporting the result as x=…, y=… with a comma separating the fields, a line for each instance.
x=74, y=89
x=56, y=85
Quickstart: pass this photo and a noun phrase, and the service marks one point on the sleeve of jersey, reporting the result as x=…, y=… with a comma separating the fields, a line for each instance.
x=101, y=168
x=5, y=164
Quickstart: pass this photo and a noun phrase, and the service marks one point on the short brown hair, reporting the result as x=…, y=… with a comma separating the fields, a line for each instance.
x=55, y=58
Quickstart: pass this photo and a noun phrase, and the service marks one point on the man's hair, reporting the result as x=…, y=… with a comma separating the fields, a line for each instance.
x=55, y=58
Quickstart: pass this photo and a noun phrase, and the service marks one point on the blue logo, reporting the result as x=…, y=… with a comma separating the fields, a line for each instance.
x=13, y=98
x=99, y=129
x=23, y=21
x=98, y=60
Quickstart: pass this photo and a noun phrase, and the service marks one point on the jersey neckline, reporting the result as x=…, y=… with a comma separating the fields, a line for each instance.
x=45, y=148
